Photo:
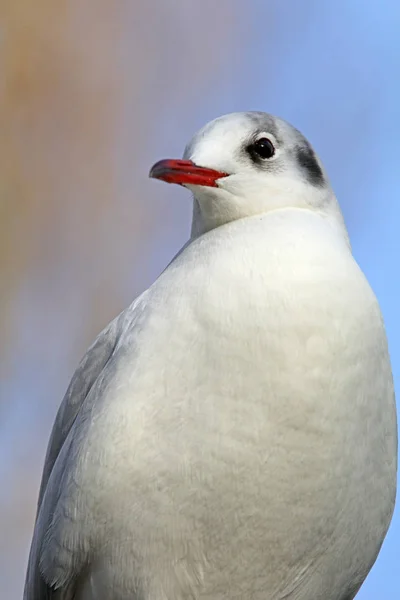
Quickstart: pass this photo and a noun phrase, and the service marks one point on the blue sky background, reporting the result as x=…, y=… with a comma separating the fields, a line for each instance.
x=330, y=68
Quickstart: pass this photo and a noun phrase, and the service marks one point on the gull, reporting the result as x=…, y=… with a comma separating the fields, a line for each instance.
x=232, y=434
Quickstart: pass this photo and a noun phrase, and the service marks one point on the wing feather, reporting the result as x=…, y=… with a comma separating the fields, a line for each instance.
x=86, y=375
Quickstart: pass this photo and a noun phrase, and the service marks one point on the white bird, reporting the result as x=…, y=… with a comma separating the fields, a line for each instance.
x=232, y=434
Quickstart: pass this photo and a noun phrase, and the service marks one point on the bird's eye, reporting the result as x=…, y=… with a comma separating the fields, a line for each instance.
x=262, y=148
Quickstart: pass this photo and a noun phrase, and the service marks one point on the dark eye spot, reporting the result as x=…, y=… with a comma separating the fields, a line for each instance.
x=262, y=149
x=309, y=165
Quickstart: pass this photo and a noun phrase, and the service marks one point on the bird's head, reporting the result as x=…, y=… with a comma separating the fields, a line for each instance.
x=243, y=164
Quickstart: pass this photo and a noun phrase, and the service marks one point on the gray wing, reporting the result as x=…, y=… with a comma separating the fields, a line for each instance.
x=87, y=374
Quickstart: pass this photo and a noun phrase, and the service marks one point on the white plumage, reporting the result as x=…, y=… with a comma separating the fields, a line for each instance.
x=232, y=434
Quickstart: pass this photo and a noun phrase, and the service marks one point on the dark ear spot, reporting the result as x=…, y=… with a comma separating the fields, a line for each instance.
x=309, y=165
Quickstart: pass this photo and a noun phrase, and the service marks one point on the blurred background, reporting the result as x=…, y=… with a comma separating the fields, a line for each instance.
x=91, y=95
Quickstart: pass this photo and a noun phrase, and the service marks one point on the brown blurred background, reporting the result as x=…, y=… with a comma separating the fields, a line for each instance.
x=85, y=91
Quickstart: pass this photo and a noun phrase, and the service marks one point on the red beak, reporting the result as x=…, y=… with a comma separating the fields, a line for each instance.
x=185, y=172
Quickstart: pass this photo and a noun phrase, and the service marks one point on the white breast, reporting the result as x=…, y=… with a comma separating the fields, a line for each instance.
x=248, y=438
